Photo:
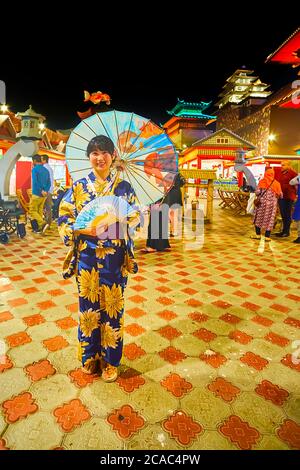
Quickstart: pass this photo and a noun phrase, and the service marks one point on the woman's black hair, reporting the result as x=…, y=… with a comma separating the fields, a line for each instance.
x=102, y=143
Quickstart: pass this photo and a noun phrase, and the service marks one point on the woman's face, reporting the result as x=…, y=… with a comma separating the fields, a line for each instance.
x=101, y=160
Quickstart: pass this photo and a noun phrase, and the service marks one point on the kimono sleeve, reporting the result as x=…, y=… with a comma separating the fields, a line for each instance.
x=66, y=218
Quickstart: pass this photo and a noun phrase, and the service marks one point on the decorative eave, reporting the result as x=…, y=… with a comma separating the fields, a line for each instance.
x=190, y=110
x=288, y=52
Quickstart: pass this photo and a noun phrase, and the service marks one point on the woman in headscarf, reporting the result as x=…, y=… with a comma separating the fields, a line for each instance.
x=100, y=262
x=267, y=194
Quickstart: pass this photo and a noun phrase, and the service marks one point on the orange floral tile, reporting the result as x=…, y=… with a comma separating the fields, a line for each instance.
x=254, y=360
x=71, y=415
x=280, y=308
x=182, y=428
x=3, y=445
x=205, y=334
x=262, y=320
x=5, y=363
x=240, y=432
x=272, y=392
x=138, y=278
x=30, y=290
x=251, y=306
x=163, y=289
x=233, y=284
x=56, y=292
x=224, y=389
x=193, y=303
x=177, y=385
x=4, y=316
x=289, y=362
x=125, y=421
x=135, y=312
x=289, y=432
x=134, y=329
x=137, y=299
x=215, y=292
x=293, y=297
x=267, y=295
x=73, y=308
x=229, y=318
x=132, y=351
x=17, y=278
x=189, y=291
x=164, y=300
x=81, y=379
x=240, y=337
x=40, y=370
x=19, y=407
x=56, y=343
x=34, y=320
x=39, y=280
x=17, y=302
x=167, y=315
x=257, y=285
x=277, y=339
x=214, y=359
x=138, y=288
x=172, y=355
x=222, y=304
x=199, y=317
x=18, y=338
x=169, y=332
x=130, y=380
x=66, y=323
x=292, y=321
x=48, y=272
x=46, y=304
x=208, y=282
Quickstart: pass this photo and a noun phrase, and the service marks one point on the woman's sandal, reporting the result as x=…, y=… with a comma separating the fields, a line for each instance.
x=148, y=250
x=255, y=237
x=109, y=373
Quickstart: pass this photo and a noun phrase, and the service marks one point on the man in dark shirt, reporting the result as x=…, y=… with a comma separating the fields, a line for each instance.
x=289, y=196
x=40, y=187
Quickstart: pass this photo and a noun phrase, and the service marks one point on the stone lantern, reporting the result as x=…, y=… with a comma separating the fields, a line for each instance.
x=30, y=125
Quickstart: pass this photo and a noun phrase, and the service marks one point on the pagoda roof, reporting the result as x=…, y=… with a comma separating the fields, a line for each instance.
x=288, y=52
x=191, y=110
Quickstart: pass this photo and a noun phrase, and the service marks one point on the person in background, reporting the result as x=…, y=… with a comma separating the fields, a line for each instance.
x=48, y=203
x=296, y=213
x=289, y=196
x=41, y=184
x=267, y=193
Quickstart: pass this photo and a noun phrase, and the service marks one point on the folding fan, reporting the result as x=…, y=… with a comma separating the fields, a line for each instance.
x=102, y=212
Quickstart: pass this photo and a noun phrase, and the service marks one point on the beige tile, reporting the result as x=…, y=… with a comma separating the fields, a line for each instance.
x=52, y=392
x=258, y=412
x=153, y=402
x=102, y=398
x=65, y=360
x=44, y=331
x=28, y=353
x=13, y=382
x=96, y=434
x=292, y=408
x=152, y=437
x=212, y=440
x=208, y=410
x=37, y=432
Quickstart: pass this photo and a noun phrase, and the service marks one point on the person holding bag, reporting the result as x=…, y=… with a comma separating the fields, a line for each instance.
x=267, y=194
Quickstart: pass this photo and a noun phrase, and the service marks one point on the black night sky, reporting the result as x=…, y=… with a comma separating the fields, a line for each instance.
x=143, y=65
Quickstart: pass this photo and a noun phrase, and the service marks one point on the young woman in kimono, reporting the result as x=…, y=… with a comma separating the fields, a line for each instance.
x=101, y=263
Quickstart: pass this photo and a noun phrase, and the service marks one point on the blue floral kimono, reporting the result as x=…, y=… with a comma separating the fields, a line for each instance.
x=101, y=267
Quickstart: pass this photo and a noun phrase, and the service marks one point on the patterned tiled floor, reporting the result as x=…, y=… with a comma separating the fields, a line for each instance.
x=208, y=359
